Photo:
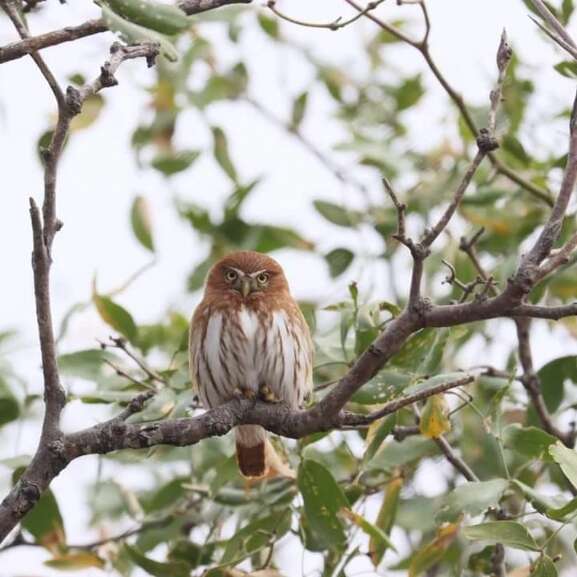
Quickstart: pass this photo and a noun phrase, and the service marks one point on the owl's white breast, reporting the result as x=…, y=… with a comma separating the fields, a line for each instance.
x=246, y=351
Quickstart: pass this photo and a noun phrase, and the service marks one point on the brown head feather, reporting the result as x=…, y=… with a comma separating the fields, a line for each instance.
x=248, y=262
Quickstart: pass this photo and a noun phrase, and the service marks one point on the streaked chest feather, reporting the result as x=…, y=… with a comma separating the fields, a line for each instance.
x=244, y=350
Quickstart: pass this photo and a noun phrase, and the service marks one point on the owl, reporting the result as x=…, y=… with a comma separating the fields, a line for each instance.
x=248, y=338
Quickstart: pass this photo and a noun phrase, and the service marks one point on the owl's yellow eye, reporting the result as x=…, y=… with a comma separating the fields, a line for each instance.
x=262, y=278
x=230, y=276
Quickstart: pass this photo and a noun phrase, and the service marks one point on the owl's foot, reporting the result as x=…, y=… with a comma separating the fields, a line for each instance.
x=266, y=394
x=245, y=393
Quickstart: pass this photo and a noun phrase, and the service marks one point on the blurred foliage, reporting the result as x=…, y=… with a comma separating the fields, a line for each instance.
x=357, y=503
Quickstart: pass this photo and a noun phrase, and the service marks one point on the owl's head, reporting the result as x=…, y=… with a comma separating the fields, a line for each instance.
x=250, y=274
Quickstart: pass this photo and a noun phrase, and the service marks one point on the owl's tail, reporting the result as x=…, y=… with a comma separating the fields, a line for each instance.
x=251, y=450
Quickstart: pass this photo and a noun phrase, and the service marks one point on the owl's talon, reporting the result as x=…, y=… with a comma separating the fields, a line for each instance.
x=244, y=393
x=267, y=395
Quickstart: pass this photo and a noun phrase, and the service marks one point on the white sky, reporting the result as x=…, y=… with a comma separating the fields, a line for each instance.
x=98, y=177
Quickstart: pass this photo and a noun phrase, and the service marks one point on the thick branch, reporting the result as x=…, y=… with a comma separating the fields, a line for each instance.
x=529, y=272
x=559, y=34
x=43, y=231
x=29, y=45
x=69, y=33
x=51, y=455
x=522, y=323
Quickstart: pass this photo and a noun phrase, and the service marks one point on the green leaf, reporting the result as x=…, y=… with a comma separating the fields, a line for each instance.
x=75, y=561
x=567, y=460
x=529, y=441
x=408, y=93
x=567, y=8
x=165, y=496
x=339, y=260
x=337, y=214
x=299, y=110
x=266, y=238
x=140, y=220
x=191, y=553
x=115, y=316
x=472, y=498
x=432, y=361
x=237, y=198
x=544, y=567
x=382, y=388
x=394, y=454
x=541, y=503
x=164, y=18
x=435, y=417
x=513, y=146
x=170, y=163
x=255, y=536
x=509, y=533
x=567, y=68
x=133, y=33
x=553, y=376
x=9, y=406
x=560, y=513
x=434, y=551
x=156, y=568
x=386, y=518
x=221, y=154
x=418, y=386
x=376, y=534
x=197, y=277
x=323, y=499
x=44, y=521
x=86, y=364
x=414, y=352
x=268, y=25
x=376, y=434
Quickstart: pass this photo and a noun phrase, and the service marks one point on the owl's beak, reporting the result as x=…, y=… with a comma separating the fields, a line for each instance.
x=245, y=286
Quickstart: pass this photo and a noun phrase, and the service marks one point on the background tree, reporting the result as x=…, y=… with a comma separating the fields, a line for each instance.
x=424, y=451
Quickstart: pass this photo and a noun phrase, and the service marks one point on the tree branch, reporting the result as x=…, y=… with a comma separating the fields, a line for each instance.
x=50, y=457
x=560, y=34
x=334, y=25
x=423, y=47
x=530, y=381
x=27, y=46
x=96, y=26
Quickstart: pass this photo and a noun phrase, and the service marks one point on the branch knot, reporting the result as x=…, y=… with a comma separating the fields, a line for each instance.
x=486, y=142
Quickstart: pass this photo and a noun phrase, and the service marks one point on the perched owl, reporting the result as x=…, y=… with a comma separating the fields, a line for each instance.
x=248, y=338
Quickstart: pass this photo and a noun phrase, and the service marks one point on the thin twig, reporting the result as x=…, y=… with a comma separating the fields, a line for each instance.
x=529, y=378
x=120, y=343
x=398, y=404
x=334, y=25
x=559, y=29
x=454, y=459
x=558, y=258
x=122, y=373
x=431, y=235
x=423, y=47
